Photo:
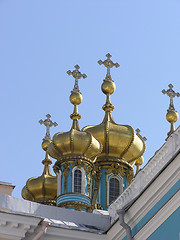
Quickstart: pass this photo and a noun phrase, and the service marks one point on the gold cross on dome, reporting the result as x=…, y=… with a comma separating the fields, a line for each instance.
x=171, y=93
x=139, y=135
x=77, y=75
x=108, y=64
x=48, y=123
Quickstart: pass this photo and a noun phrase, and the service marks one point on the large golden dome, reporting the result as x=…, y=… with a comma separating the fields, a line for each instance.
x=74, y=143
x=119, y=141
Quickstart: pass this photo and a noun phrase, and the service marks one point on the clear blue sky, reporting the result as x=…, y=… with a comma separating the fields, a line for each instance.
x=40, y=40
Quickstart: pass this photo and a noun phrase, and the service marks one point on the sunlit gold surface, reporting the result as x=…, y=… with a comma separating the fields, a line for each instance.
x=108, y=87
x=41, y=189
x=139, y=161
x=74, y=143
x=75, y=98
x=45, y=144
x=119, y=141
x=172, y=116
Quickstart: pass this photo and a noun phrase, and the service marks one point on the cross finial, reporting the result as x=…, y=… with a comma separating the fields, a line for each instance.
x=139, y=135
x=171, y=93
x=48, y=123
x=77, y=75
x=108, y=64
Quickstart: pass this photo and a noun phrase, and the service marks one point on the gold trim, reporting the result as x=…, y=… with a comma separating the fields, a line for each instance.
x=80, y=194
x=77, y=205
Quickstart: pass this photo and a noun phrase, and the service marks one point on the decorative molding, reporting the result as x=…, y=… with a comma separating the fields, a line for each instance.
x=147, y=174
x=15, y=226
x=154, y=194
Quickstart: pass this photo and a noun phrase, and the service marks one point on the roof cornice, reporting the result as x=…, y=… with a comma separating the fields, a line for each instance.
x=150, y=171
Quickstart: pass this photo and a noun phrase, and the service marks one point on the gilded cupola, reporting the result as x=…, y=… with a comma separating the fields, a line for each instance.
x=74, y=144
x=76, y=152
x=43, y=189
x=121, y=145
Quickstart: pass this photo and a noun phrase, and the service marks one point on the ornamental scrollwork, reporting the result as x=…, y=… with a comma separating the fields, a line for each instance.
x=66, y=168
x=129, y=175
x=116, y=169
x=89, y=176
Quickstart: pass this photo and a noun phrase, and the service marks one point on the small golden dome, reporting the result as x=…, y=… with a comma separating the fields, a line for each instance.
x=41, y=189
x=45, y=144
x=139, y=161
x=76, y=98
x=108, y=87
x=172, y=116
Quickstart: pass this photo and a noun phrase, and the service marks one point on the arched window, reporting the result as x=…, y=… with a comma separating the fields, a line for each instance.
x=114, y=189
x=77, y=181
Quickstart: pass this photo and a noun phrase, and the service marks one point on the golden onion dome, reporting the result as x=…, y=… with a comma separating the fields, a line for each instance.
x=119, y=141
x=43, y=189
x=74, y=143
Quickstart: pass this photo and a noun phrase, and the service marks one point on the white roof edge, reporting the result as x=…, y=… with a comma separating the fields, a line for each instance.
x=24, y=207
x=147, y=174
x=7, y=184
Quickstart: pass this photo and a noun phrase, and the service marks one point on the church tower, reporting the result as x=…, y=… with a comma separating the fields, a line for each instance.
x=93, y=165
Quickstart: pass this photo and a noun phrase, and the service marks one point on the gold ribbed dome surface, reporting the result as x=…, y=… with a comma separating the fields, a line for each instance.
x=119, y=141
x=74, y=143
x=41, y=189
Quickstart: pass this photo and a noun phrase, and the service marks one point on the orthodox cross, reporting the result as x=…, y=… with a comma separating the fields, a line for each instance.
x=139, y=135
x=48, y=123
x=171, y=93
x=77, y=75
x=108, y=64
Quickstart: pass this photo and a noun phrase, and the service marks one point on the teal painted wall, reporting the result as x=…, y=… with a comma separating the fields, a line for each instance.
x=103, y=189
x=125, y=182
x=155, y=208
x=169, y=230
x=62, y=183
